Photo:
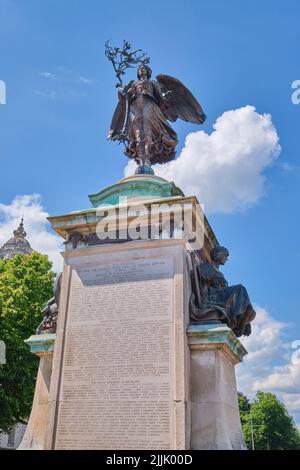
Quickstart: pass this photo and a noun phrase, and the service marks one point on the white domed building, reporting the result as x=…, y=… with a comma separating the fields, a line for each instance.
x=16, y=244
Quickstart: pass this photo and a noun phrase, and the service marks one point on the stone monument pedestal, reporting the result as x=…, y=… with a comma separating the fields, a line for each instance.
x=129, y=371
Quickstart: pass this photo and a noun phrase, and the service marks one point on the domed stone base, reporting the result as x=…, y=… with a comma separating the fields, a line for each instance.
x=135, y=188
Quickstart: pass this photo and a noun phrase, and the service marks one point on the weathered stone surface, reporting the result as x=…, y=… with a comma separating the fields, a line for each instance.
x=34, y=437
x=215, y=412
x=118, y=373
x=81, y=228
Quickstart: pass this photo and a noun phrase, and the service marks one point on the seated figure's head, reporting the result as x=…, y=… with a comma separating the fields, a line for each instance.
x=144, y=71
x=219, y=254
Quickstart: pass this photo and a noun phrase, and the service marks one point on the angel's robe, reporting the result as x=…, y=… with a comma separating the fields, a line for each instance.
x=142, y=114
x=150, y=138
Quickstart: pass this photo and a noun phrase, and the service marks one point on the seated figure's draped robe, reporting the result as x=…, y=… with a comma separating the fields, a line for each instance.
x=232, y=302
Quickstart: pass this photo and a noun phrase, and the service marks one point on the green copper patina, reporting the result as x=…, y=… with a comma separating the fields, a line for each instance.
x=137, y=187
x=217, y=335
x=41, y=344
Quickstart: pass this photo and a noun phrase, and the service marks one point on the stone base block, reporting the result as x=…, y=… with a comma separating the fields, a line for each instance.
x=215, y=414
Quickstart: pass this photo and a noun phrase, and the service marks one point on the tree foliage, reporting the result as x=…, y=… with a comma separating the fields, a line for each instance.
x=273, y=427
x=26, y=283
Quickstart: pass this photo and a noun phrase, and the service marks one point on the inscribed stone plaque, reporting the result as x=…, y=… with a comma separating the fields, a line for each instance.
x=116, y=380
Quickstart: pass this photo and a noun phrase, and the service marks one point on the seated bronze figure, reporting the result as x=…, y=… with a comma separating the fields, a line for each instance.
x=50, y=311
x=213, y=301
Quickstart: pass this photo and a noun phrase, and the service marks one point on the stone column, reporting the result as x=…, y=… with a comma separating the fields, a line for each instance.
x=34, y=437
x=214, y=352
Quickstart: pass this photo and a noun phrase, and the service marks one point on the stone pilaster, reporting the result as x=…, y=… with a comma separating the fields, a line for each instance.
x=34, y=438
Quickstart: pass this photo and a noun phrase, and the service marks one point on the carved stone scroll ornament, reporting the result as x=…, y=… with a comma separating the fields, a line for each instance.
x=50, y=312
x=213, y=301
x=75, y=238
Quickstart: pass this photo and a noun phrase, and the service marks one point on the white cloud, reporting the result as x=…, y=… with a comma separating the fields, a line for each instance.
x=283, y=378
x=285, y=166
x=273, y=362
x=49, y=75
x=86, y=81
x=224, y=169
x=36, y=226
x=64, y=83
x=48, y=93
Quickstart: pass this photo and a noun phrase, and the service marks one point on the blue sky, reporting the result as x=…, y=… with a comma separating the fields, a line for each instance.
x=61, y=96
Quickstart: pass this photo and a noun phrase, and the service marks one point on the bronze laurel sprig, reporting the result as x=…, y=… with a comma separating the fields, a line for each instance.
x=123, y=58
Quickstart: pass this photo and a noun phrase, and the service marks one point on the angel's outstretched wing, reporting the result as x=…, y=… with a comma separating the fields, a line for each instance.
x=118, y=120
x=181, y=103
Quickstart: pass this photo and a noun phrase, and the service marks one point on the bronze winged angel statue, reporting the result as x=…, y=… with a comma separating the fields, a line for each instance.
x=141, y=117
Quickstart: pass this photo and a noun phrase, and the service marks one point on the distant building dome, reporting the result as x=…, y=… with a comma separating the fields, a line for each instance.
x=16, y=245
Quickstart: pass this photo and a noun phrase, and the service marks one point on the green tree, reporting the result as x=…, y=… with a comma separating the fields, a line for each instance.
x=273, y=427
x=26, y=283
x=244, y=404
x=244, y=407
